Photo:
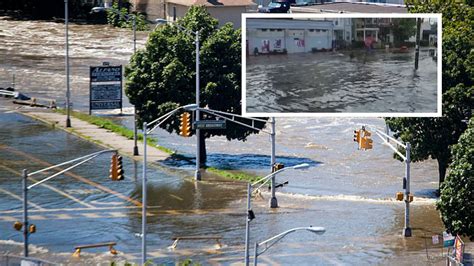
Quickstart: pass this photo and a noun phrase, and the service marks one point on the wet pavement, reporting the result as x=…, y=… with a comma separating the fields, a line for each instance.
x=333, y=82
x=347, y=191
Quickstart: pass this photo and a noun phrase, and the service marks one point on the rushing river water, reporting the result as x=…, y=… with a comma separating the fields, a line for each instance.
x=348, y=191
x=334, y=82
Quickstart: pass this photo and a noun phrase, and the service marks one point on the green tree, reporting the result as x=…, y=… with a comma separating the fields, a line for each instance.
x=403, y=29
x=162, y=76
x=432, y=137
x=456, y=203
x=117, y=16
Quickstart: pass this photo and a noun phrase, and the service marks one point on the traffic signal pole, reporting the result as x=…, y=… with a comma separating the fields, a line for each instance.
x=145, y=129
x=407, y=229
x=406, y=180
x=25, y=174
x=273, y=200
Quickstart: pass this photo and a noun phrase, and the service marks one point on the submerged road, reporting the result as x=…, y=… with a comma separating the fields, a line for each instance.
x=73, y=211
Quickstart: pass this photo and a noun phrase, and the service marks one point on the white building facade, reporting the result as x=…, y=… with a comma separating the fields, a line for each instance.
x=265, y=36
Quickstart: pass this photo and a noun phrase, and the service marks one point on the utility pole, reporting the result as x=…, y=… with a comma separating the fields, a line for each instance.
x=417, y=51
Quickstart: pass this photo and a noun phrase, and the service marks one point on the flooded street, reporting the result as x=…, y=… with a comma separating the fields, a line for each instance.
x=350, y=192
x=333, y=82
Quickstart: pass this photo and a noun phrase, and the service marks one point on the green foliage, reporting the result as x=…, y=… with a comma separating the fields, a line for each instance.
x=233, y=175
x=403, y=29
x=456, y=203
x=121, y=17
x=432, y=137
x=161, y=77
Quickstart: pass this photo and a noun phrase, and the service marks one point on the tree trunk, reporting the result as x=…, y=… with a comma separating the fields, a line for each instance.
x=202, y=152
x=442, y=167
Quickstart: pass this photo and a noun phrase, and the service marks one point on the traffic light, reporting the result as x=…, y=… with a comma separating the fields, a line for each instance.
x=185, y=126
x=357, y=136
x=366, y=142
x=399, y=196
x=17, y=225
x=120, y=172
x=113, y=167
x=277, y=166
x=116, y=168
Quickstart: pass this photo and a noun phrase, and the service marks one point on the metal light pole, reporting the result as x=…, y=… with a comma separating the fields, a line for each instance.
x=197, y=175
x=247, y=224
x=407, y=229
x=135, y=147
x=68, y=92
x=250, y=214
x=316, y=230
x=25, y=213
x=273, y=200
x=25, y=175
x=406, y=180
x=144, y=203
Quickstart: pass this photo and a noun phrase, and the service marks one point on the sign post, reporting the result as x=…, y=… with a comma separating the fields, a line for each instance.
x=105, y=88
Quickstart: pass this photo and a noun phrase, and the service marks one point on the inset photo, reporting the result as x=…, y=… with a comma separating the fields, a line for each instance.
x=341, y=65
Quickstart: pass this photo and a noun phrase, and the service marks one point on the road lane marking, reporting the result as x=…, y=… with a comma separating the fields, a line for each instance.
x=49, y=187
x=20, y=198
x=78, y=177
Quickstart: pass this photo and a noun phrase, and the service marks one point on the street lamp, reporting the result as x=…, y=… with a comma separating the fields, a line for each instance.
x=250, y=214
x=197, y=174
x=134, y=27
x=275, y=239
x=80, y=161
x=153, y=125
x=68, y=93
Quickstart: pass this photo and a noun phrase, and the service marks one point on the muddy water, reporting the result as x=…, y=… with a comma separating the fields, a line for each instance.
x=347, y=191
x=368, y=82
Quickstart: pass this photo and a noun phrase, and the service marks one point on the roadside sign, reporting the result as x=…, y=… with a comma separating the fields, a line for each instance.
x=458, y=249
x=448, y=240
x=105, y=88
x=209, y=124
x=106, y=73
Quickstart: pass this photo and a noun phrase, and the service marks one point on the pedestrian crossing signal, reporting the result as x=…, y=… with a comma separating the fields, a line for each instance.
x=185, y=126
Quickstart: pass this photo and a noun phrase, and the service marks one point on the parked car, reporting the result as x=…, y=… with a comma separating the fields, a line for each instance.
x=280, y=6
x=305, y=2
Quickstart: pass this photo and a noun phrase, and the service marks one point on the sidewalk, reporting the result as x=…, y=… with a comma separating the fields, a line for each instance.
x=101, y=136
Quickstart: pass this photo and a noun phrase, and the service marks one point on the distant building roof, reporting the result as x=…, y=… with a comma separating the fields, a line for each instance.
x=350, y=8
x=212, y=3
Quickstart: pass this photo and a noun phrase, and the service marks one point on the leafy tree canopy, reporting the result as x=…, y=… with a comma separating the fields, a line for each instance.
x=432, y=137
x=403, y=29
x=162, y=76
x=456, y=203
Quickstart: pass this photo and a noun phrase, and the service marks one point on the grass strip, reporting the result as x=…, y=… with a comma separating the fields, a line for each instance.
x=234, y=174
x=108, y=124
